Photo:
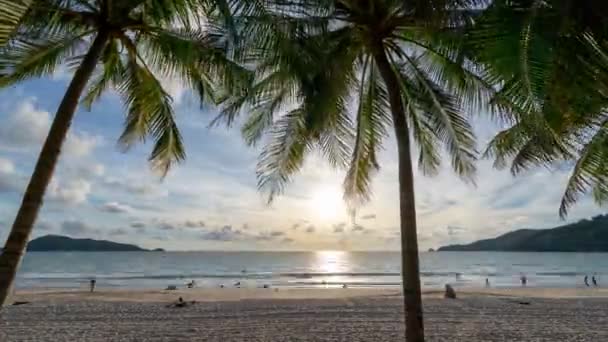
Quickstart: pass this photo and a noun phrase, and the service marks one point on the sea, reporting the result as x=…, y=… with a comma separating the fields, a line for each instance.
x=323, y=269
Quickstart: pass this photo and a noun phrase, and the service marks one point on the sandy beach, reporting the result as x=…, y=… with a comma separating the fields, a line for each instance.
x=304, y=315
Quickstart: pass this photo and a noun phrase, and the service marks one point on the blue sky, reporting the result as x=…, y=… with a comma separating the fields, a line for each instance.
x=211, y=201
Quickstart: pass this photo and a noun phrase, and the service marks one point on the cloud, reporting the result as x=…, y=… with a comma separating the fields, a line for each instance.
x=44, y=226
x=269, y=236
x=138, y=225
x=452, y=230
x=136, y=187
x=76, y=227
x=310, y=229
x=194, y=224
x=118, y=232
x=295, y=226
x=225, y=233
x=27, y=126
x=81, y=144
x=339, y=228
x=368, y=217
x=9, y=180
x=88, y=170
x=115, y=207
x=167, y=226
x=245, y=226
x=358, y=228
x=71, y=192
x=6, y=166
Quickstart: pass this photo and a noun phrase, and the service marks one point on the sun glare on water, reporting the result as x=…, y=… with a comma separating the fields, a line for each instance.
x=327, y=203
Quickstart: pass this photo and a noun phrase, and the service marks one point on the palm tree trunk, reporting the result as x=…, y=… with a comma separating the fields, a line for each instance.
x=17, y=240
x=410, y=269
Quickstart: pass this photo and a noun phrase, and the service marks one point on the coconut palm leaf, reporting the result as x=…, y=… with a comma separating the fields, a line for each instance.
x=589, y=172
x=11, y=12
x=553, y=87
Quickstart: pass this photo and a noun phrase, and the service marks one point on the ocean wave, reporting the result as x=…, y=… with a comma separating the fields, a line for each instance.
x=284, y=275
x=561, y=274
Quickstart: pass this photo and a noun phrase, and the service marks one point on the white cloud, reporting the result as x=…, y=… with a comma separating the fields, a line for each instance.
x=81, y=144
x=148, y=189
x=6, y=166
x=26, y=128
x=10, y=181
x=115, y=207
x=71, y=192
x=175, y=88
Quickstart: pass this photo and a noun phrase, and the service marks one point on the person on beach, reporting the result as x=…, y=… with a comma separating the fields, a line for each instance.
x=587, y=280
x=449, y=292
x=524, y=280
x=487, y=283
x=593, y=280
x=92, y=284
x=180, y=303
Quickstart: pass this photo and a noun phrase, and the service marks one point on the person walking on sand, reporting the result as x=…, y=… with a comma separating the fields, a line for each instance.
x=92, y=284
x=587, y=280
x=593, y=280
x=524, y=280
x=487, y=283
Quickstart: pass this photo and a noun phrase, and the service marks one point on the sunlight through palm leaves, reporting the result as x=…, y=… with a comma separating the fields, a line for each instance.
x=336, y=75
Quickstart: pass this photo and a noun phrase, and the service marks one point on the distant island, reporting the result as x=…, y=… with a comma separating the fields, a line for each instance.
x=588, y=235
x=58, y=243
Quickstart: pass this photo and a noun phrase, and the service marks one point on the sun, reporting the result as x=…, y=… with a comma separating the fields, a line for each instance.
x=327, y=203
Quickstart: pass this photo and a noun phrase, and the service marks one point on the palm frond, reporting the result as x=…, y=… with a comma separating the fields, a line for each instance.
x=150, y=113
x=372, y=120
x=284, y=154
x=444, y=115
x=113, y=70
x=196, y=56
x=11, y=12
x=589, y=171
x=25, y=58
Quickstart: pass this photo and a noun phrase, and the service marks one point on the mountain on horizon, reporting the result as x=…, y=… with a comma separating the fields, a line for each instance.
x=59, y=243
x=587, y=235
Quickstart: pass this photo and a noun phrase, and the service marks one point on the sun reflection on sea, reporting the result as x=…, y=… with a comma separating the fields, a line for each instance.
x=334, y=265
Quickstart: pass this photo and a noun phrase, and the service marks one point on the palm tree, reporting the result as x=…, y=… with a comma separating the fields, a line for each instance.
x=401, y=64
x=555, y=83
x=120, y=45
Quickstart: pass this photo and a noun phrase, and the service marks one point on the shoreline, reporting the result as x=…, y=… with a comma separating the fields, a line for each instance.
x=59, y=295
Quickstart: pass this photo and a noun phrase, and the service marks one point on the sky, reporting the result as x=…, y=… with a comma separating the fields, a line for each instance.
x=210, y=202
